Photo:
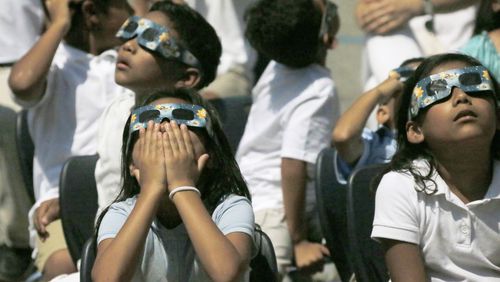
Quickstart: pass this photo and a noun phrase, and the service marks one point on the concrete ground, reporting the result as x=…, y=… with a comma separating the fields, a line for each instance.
x=345, y=60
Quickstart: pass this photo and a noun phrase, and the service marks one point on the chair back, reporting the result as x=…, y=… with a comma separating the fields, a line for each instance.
x=89, y=252
x=26, y=151
x=367, y=255
x=78, y=202
x=233, y=113
x=331, y=203
x=263, y=266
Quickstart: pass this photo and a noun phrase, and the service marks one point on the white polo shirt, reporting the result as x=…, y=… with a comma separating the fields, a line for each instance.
x=292, y=116
x=459, y=242
x=21, y=23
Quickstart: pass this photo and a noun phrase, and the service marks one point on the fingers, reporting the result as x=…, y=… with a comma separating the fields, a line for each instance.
x=37, y=219
x=202, y=161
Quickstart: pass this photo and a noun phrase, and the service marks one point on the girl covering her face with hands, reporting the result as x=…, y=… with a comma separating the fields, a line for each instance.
x=184, y=212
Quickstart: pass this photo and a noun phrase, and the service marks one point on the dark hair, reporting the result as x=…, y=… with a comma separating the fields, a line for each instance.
x=418, y=60
x=486, y=18
x=407, y=152
x=285, y=30
x=197, y=35
x=218, y=179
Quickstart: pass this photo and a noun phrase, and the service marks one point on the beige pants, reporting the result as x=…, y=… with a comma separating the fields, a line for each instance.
x=53, y=243
x=272, y=222
x=14, y=200
x=235, y=82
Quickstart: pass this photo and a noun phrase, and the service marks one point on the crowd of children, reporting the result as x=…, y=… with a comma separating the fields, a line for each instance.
x=132, y=81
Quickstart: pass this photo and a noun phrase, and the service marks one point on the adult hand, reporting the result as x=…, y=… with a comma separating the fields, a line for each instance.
x=46, y=213
x=149, y=160
x=182, y=164
x=309, y=256
x=383, y=16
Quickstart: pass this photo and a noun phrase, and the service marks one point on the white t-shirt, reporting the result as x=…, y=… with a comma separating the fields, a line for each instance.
x=168, y=253
x=109, y=148
x=292, y=116
x=63, y=123
x=21, y=23
x=459, y=242
x=226, y=17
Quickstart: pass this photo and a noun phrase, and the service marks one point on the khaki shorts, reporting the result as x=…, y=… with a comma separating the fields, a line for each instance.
x=52, y=244
x=232, y=83
x=272, y=222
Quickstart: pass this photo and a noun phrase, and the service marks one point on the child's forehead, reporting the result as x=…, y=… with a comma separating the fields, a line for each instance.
x=169, y=100
x=448, y=66
x=163, y=20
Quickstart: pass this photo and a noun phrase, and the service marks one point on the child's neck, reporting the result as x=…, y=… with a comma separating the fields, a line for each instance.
x=468, y=173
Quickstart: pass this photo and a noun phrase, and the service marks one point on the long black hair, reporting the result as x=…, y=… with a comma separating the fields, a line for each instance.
x=220, y=177
x=407, y=152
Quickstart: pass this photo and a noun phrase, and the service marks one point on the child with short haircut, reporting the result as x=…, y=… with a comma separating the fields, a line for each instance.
x=437, y=209
x=356, y=145
x=172, y=46
x=291, y=119
x=65, y=80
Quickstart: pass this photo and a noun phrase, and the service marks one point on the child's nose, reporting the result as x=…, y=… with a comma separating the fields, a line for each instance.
x=459, y=96
x=130, y=45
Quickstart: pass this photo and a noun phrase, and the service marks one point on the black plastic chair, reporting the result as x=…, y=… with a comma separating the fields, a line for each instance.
x=367, y=255
x=78, y=202
x=26, y=151
x=331, y=202
x=89, y=252
x=233, y=113
x=263, y=266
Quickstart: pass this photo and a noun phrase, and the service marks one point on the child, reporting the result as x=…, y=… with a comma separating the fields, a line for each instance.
x=291, y=119
x=184, y=212
x=356, y=146
x=144, y=70
x=437, y=210
x=485, y=44
x=66, y=81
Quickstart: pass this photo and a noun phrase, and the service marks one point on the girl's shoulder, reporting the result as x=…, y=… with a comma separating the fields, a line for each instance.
x=231, y=200
x=124, y=206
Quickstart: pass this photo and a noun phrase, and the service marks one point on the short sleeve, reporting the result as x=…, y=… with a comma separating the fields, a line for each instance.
x=113, y=220
x=396, y=209
x=234, y=214
x=307, y=128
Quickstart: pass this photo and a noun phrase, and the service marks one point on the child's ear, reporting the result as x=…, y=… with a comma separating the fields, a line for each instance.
x=90, y=14
x=190, y=78
x=414, y=132
x=329, y=41
x=382, y=114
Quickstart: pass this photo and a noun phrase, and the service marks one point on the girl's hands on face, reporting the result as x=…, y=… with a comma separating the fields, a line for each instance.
x=182, y=165
x=148, y=158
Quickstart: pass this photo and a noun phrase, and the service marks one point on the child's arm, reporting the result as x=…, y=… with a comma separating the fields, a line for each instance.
x=224, y=258
x=117, y=258
x=347, y=133
x=404, y=261
x=293, y=174
x=29, y=74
